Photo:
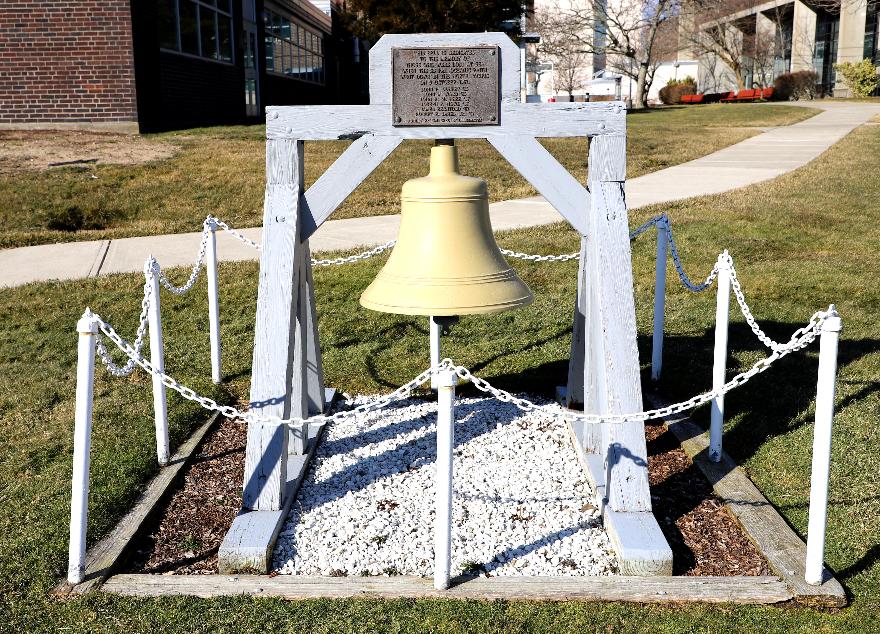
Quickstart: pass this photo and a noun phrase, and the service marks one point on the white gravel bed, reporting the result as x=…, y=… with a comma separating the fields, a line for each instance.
x=521, y=504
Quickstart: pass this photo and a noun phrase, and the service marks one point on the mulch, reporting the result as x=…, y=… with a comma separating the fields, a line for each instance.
x=186, y=534
x=704, y=536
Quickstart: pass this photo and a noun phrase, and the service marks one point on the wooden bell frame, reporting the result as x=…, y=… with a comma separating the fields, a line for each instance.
x=603, y=375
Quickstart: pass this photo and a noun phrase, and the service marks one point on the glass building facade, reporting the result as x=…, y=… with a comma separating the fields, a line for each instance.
x=197, y=27
x=825, y=55
x=292, y=48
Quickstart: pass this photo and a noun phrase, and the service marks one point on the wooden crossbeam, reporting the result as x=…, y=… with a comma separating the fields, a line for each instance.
x=552, y=180
x=330, y=123
x=345, y=174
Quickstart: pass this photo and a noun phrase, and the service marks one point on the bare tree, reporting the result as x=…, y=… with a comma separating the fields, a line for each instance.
x=743, y=39
x=728, y=41
x=558, y=46
x=622, y=35
x=764, y=60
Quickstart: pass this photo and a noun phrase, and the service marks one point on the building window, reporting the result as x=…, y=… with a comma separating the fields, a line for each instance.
x=825, y=54
x=197, y=27
x=293, y=49
x=784, y=36
x=872, y=32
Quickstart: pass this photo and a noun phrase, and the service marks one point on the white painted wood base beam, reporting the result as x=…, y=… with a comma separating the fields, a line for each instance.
x=637, y=539
x=248, y=545
x=639, y=543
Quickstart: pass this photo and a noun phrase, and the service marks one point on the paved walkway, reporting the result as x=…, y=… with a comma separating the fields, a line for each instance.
x=759, y=158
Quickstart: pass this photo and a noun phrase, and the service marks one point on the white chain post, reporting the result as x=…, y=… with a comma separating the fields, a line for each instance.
x=434, y=333
x=446, y=380
x=825, y=389
x=659, y=299
x=157, y=359
x=213, y=300
x=719, y=365
x=87, y=329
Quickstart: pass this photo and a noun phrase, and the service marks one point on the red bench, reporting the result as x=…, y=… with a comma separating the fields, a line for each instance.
x=767, y=93
x=749, y=94
x=698, y=98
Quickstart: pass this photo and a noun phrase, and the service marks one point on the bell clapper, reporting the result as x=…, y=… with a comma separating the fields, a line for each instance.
x=438, y=326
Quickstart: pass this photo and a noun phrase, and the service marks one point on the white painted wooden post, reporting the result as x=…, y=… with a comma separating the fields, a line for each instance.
x=314, y=364
x=446, y=380
x=659, y=299
x=825, y=389
x=157, y=358
x=611, y=369
x=719, y=365
x=213, y=301
x=82, y=440
x=615, y=370
x=434, y=335
x=265, y=471
x=574, y=389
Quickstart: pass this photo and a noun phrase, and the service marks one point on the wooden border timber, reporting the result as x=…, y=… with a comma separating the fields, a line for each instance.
x=103, y=556
x=749, y=590
x=784, y=550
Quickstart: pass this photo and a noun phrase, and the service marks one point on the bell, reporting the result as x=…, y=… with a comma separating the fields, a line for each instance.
x=445, y=261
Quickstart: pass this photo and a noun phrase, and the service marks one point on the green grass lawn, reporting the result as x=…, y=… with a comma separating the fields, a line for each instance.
x=221, y=171
x=800, y=242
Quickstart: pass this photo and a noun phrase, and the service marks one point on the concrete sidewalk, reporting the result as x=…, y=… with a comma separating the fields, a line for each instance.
x=759, y=158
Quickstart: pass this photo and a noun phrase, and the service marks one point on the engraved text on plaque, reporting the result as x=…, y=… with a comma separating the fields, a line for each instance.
x=440, y=86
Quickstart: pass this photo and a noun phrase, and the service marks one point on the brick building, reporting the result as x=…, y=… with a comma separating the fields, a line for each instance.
x=162, y=64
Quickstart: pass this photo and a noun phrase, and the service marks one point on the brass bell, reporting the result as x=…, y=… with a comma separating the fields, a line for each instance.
x=446, y=261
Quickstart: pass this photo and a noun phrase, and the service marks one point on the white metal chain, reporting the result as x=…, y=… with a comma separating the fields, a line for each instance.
x=129, y=366
x=676, y=260
x=356, y=257
x=565, y=257
x=799, y=340
x=197, y=266
x=135, y=358
x=573, y=256
x=726, y=260
x=541, y=258
x=343, y=260
x=235, y=234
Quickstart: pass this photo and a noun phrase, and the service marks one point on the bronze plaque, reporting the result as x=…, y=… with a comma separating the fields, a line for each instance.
x=445, y=86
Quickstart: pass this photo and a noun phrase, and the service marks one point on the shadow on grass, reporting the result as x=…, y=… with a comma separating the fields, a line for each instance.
x=867, y=561
x=772, y=404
